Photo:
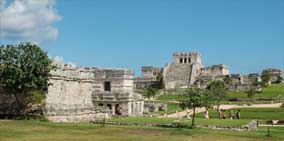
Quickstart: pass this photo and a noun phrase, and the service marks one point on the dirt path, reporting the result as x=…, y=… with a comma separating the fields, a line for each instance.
x=199, y=110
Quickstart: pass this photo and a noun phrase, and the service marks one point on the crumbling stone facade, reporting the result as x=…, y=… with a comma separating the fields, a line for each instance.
x=183, y=71
x=149, y=77
x=187, y=70
x=240, y=82
x=275, y=75
x=86, y=94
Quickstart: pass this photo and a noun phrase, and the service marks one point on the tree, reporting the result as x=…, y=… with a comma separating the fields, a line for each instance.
x=265, y=77
x=24, y=74
x=160, y=80
x=195, y=98
x=150, y=92
x=218, y=91
x=251, y=93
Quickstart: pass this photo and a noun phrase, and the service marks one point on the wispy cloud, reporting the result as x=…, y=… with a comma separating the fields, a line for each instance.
x=28, y=20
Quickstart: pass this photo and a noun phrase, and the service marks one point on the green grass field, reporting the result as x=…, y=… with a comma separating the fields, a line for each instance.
x=199, y=121
x=170, y=97
x=253, y=113
x=45, y=131
x=275, y=91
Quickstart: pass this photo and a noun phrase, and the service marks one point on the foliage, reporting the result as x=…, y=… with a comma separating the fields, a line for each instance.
x=218, y=91
x=195, y=98
x=251, y=93
x=160, y=80
x=24, y=73
x=150, y=92
x=265, y=77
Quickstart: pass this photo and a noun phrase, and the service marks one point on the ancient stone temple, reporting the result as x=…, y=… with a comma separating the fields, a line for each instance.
x=187, y=70
x=183, y=71
x=85, y=94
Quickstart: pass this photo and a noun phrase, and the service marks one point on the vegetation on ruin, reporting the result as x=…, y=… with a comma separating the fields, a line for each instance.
x=45, y=131
x=24, y=73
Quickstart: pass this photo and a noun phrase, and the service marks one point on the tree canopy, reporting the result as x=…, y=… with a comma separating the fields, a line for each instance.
x=195, y=98
x=24, y=73
x=218, y=91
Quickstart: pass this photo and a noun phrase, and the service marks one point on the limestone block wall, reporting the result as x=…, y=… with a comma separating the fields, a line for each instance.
x=69, y=97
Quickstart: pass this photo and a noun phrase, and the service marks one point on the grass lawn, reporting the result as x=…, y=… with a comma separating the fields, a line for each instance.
x=253, y=113
x=45, y=131
x=199, y=121
x=171, y=97
x=275, y=91
x=172, y=108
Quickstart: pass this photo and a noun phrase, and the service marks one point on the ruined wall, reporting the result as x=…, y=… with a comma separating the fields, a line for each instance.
x=150, y=71
x=215, y=70
x=275, y=75
x=240, y=82
x=69, y=97
x=120, y=99
x=80, y=94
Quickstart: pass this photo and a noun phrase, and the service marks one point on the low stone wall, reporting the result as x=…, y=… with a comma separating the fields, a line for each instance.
x=154, y=107
x=248, y=127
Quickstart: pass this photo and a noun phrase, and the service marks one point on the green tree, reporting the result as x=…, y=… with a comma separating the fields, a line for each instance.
x=251, y=93
x=24, y=74
x=218, y=91
x=195, y=98
x=150, y=92
x=265, y=78
x=160, y=80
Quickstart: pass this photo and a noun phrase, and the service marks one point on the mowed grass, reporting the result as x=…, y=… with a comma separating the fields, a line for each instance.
x=252, y=113
x=275, y=91
x=171, y=97
x=199, y=121
x=45, y=131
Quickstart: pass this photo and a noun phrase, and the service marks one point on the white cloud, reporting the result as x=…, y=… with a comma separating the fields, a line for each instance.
x=28, y=20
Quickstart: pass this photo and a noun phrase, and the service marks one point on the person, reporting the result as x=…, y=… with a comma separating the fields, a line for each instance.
x=206, y=114
x=224, y=114
x=220, y=114
x=232, y=116
x=238, y=115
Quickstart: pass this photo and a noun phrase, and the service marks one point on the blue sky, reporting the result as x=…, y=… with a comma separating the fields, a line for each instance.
x=246, y=35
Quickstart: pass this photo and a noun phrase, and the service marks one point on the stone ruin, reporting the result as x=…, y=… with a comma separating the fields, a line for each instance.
x=82, y=94
x=275, y=75
x=187, y=70
x=149, y=77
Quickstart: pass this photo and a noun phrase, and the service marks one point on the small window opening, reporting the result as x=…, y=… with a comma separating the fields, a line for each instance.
x=107, y=86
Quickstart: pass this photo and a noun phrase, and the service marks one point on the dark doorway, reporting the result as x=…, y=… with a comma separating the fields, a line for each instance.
x=109, y=106
x=117, y=109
